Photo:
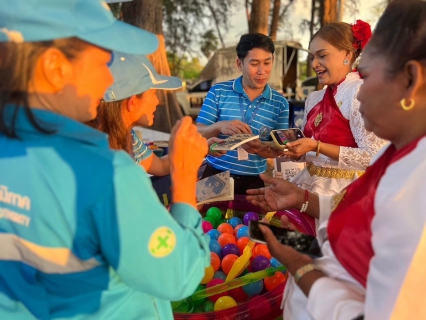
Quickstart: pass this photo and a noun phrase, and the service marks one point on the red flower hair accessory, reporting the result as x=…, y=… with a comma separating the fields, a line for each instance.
x=362, y=33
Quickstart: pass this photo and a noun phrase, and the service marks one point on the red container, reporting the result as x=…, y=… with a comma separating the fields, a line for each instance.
x=268, y=305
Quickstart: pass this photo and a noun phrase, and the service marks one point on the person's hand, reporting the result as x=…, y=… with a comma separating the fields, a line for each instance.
x=286, y=255
x=298, y=148
x=279, y=195
x=187, y=149
x=233, y=127
x=215, y=153
x=253, y=146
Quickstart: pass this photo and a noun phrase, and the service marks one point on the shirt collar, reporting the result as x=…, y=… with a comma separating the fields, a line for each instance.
x=59, y=124
x=237, y=86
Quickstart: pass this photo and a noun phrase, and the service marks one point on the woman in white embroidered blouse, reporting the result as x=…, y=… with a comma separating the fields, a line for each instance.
x=337, y=148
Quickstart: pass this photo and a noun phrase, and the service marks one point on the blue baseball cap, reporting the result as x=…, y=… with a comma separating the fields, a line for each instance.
x=88, y=20
x=135, y=74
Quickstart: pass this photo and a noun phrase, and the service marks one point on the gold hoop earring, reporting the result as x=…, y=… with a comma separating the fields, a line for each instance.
x=409, y=107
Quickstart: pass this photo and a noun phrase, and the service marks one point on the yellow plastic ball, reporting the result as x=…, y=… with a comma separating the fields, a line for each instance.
x=208, y=275
x=224, y=302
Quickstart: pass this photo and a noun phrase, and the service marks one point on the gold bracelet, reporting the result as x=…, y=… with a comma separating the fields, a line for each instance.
x=304, y=270
x=318, y=147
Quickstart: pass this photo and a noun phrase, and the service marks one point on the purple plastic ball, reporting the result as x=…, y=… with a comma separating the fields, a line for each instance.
x=250, y=216
x=260, y=263
x=230, y=249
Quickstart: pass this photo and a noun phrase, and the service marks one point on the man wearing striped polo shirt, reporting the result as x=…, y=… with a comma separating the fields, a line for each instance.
x=245, y=105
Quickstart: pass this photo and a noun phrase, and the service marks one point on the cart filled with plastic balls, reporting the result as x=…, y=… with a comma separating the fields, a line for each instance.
x=243, y=281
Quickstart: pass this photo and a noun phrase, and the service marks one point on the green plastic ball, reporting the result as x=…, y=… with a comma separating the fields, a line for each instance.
x=214, y=213
x=212, y=221
x=208, y=306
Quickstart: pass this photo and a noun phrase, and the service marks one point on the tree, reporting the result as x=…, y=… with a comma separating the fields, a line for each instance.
x=259, y=16
x=148, y=15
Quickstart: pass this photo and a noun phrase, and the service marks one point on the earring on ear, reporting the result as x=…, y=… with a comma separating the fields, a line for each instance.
x=404, y=105
x=346, y=62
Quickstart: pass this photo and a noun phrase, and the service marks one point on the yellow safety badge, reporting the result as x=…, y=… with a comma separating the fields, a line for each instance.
x=162, y=242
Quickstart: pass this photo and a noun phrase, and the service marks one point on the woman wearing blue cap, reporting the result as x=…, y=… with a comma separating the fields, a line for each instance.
x=76, y=230
x=131, y=101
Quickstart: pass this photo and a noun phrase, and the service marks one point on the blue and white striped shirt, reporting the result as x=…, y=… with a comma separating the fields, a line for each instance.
x=228, y=101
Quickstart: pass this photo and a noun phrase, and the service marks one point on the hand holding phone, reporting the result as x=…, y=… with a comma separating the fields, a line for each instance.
x=297, y=240
x=282, y=137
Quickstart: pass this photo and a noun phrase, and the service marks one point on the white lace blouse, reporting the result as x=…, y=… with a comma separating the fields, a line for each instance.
x=349, y=158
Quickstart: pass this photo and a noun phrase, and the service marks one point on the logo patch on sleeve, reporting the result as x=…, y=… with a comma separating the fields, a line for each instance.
x=162, y=242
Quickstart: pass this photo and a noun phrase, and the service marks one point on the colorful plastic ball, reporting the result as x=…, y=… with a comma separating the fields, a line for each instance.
x=243, y=232
x=242, y=243
x=259, y=308
x=209, y=219
x=238, y=294
x=228, y=262
x=208, y=275
x=219, y=275
x=230, y=249
x=199, y=302
x=259, y=263
x=275, y=263
x=250, y=216
x=261, y=250
x=225, y=228
x=272, y=282
x=238, y=228
x=253, y=289
x=213, y=283
x=215, y=261
x=208, y=306
x=207, y=226
x=214, y=213
x=226, y=238
x=234, y=221
x=215, y=247
x=214, y=234
x=224, y=303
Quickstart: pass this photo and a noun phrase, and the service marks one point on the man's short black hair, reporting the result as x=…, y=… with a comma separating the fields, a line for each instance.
x=250, y=41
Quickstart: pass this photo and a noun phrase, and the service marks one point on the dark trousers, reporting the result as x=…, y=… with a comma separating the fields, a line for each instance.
x=241, y=183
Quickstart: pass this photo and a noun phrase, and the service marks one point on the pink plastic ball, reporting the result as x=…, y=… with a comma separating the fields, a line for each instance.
x=207, y=226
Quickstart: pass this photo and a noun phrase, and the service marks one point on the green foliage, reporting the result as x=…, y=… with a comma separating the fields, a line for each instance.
x=185, y=69
x=209, y=43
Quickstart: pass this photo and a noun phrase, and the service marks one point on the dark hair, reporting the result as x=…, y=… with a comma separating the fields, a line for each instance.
x=340, y=36
x=400, y=35
x=110, y=120
x=17, y=63
x=250, y=41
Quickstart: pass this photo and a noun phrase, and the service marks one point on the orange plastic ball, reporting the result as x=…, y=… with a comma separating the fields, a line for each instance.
x=242, y=242
x=261, y=250
x=272, y=282
x=225, y=228
x=208, y=275
x=237, y=228
x=227, y=262
x=215, y=261
x=226, y=238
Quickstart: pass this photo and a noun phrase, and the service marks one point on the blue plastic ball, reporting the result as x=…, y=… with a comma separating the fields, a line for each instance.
x=219, y=275
x=215, y=247
x=234, y=221
x=214, y=234
x=254, y=288
x=243, y=232
x=275, y=263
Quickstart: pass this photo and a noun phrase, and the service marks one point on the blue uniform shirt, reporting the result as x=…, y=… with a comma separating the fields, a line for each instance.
x=228, y=101
x=83, y=234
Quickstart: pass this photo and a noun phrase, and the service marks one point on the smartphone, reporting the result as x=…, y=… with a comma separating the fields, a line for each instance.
x=282, y=137
x=295, y=239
